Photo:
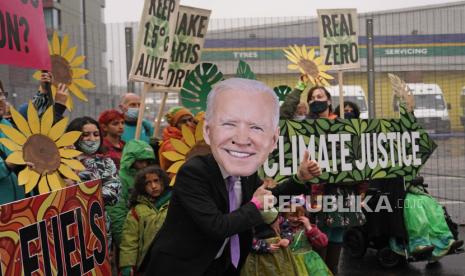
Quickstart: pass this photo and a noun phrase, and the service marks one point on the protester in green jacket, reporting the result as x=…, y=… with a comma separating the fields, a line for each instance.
x=149, y=205
x=136, y=155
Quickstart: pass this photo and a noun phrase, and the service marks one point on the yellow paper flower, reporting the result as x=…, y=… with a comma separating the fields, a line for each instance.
x=190, y=145
x=44, y=145
x=308, y=64
x=65, y=69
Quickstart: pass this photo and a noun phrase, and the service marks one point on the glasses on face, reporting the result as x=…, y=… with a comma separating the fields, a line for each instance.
x=3, y=95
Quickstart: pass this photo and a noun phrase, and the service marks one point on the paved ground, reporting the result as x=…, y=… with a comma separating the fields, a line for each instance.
x=452, y=265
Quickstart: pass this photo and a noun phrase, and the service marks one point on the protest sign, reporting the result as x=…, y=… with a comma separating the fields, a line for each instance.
x=23, y=39
x=339, y=38
x=189, y=37
x=151, y=59
x=352, y=150
x=58, y=233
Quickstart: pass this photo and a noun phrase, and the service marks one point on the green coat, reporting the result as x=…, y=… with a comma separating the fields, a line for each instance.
x=132, y=151
x=9, y=188
x=142, y=224
x=288, y=108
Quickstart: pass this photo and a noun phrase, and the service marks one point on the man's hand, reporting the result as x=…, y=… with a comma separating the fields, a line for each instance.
x=308, y=169
x=62, y=94
x=262, y=194
x=45, y=77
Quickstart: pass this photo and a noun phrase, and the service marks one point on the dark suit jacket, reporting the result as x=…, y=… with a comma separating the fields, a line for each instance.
x=198, y=219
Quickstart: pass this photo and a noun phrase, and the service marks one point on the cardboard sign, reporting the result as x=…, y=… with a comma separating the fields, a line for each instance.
x=339, y=38
x=23, y=39
x=151, y=59
x=191, y=29
x=352, y=150
x=46, y=234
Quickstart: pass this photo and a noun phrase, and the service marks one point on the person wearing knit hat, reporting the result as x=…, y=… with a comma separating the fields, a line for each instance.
x=176, y=117
x=112, y=124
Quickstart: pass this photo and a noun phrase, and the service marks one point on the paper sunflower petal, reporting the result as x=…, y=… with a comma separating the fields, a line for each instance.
x=179, y=146
x=9, y=144
x=67, y=172
x=77, y=92
x=70, y=54
x=292, y=59
x=33, y=118
x=69, y=103
x=13, y=134
x=23, y=176
x=199, y=131
x=318, y=60
x=58, y=129
x=54, y=181
x=323, y=67
x=188, y=136
x=64, y=44
x=69, y=153
x=326, y=76
x=55, y=44
x=86, y=84
x=37, y=75
x=54, y=91
x=79, y=72
x=47, y=121
x=304, y=52
x=16, y=157
x=32, y=182
x=173, y=156
x=43, y=185
x=68, y=139
x=175, y=167
x=172, y=181
x=293, y=67
x=73, y=164
x=311, y=54
x=77, y=61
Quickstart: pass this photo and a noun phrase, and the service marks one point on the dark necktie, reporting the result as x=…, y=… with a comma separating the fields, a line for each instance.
x=233, y=240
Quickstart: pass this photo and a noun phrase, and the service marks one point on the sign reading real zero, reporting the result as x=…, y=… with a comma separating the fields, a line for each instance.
x=151, y=59
x=339, y=38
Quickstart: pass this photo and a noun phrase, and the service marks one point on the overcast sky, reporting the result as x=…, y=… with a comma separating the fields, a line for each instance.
x=130, y=10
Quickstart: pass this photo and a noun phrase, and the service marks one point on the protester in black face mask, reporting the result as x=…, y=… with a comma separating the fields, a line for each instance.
x=351, y=110
x=319, y=101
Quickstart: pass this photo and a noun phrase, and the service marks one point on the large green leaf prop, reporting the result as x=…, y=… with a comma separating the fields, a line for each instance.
x=282, y=91
x=198, y=84
x=244, y=71
x=292, y=132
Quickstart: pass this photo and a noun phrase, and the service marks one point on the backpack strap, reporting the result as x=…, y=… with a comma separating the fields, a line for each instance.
x=134, y=214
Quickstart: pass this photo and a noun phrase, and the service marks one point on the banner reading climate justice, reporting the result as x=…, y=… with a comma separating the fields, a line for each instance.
x=191, y=29
x=352, y=150
x=59, y=233
x=151, y=59
x=23, y=40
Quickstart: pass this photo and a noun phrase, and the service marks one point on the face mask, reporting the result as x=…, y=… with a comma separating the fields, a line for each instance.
x=89, y=147
x=132, y=113
x=349, y=115
x=300, y=117
x=318, y=107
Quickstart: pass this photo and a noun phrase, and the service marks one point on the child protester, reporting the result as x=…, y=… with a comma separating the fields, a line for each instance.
x=149, y=205
x=112, y=124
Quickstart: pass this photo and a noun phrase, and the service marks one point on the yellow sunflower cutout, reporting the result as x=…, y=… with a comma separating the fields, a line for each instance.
x=190, y=145
x=43, y=144
x=65, y=69
x=309, y=65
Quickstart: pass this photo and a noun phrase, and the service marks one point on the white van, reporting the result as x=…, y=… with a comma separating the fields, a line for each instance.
x=352, y=93
x=462, y=105
x=431, y=109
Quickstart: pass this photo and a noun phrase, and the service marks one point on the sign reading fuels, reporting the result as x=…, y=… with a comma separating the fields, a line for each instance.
x=352, y=150
x=339, y=38
x=151, y=59
x=189, y=37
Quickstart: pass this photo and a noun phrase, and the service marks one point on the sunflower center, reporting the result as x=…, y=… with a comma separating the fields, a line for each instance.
x=309, y=67
x=61, y=70
x=42, y=152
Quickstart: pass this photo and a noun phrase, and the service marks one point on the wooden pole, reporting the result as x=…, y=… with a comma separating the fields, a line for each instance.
x=160, y=114
x=341, y=94
x=140, y=118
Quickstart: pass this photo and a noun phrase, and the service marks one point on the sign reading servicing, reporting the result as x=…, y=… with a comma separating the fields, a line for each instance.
x=191, y=29
x=151, y=59
x=339, y=38
x=352, y=150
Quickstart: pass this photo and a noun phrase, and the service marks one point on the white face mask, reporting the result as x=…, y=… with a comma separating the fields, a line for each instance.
x=300, y=117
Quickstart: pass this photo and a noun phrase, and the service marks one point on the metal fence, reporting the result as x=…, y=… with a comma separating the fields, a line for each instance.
x=424, y=45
